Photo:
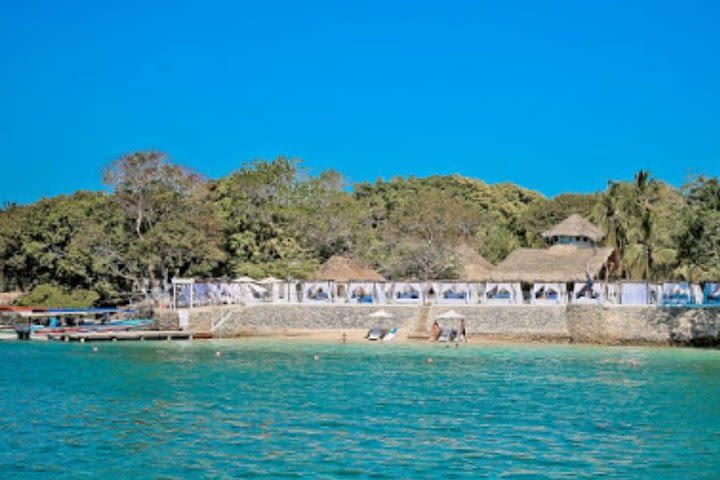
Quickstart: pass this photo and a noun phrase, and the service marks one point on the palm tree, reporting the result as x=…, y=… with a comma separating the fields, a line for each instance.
x=629, y=213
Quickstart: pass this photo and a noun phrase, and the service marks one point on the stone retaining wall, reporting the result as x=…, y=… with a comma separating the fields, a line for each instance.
x=266, y=319
x=575, y=323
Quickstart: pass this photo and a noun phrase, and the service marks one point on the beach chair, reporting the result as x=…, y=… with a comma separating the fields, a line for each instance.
x=375, y=334
x=446, y=334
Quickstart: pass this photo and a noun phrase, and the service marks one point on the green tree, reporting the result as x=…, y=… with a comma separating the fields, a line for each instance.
x=641, y=218
x=699, y=238
x=175, y=228
x=51, y=295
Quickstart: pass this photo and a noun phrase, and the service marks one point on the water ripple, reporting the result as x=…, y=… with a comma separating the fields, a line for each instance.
x=263, y=409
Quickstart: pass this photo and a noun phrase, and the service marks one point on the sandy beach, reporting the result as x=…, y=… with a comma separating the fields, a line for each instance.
x=357, y=336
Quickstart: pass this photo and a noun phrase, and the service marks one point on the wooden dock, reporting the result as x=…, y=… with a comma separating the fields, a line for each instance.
x=136, y=335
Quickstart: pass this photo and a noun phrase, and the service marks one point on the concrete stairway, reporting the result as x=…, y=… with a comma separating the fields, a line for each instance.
x=421, y=330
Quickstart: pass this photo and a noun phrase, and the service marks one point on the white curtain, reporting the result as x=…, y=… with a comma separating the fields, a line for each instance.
x=634, y=293
x=613, y=293
x=380, y=292
x=292, y=292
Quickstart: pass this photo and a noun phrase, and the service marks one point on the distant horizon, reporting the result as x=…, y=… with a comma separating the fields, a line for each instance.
x=554, y=97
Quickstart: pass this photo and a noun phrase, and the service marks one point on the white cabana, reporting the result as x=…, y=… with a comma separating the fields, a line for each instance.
x=548, y=294
x=381, y=314
x=588, y=292
x=711, y=294
x=503, y=294
x=365, y=292
x=452, y=292
x=677, y=294
x=320, y=292
x=402, y=292
x=634, y=293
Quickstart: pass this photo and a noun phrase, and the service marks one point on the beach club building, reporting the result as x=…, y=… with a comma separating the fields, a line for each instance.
x=574, y=268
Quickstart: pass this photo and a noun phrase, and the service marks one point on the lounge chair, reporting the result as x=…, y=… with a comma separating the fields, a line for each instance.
x=374, y=334
x=446, y=335
x=390, y=335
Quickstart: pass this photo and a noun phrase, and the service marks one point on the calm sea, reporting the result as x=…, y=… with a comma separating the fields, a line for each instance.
x=175, y=410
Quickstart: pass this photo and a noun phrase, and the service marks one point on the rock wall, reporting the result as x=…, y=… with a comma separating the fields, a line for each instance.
x=517, y=321
x=266, y=319
x=575, y=323
x=644, y=325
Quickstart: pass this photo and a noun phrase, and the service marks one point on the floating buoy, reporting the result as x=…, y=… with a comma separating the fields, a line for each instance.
x=316, y=357
x=94, y=349
x=429, y=360
x=217, y=354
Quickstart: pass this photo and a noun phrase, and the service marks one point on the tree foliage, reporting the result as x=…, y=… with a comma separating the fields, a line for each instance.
x=161, y=220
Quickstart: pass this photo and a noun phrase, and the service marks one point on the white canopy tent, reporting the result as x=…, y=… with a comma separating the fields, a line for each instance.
x=319, y=292
x=588, y=293
x=453, y=292
x=503, y=294
x=548, y=294
x=402, y=292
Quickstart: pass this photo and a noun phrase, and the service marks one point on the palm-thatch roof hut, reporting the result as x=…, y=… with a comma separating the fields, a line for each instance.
x=576, y=228
x=559, y=263
x=343, y=269
x=475, y=267
x=573, y=256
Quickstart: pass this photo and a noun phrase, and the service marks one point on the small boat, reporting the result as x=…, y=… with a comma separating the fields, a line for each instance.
x=55, y=333
x=7, y=332
x=390, y=336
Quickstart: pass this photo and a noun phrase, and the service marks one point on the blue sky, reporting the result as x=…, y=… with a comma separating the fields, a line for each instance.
x=556, y=96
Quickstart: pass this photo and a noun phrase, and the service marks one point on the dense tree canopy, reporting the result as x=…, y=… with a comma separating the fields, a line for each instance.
x=160, y=220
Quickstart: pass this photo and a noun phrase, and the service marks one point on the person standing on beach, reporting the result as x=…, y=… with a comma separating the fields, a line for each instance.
x=435, y=332
x=463, y=331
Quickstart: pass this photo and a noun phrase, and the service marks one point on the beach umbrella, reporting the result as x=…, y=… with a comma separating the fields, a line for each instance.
x=269, y=281
x=245, y=280
x=381, y=315
x=450, y=315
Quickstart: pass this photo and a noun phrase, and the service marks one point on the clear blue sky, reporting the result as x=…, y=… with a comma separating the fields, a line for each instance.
x=556, y=96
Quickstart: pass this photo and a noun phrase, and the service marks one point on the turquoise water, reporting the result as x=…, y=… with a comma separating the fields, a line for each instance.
x=175, y=410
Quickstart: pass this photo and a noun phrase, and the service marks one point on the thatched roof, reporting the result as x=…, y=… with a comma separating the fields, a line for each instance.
x=343, y=269
x=7, y=298
x=575, y=226
x=560, y=263
x=475, y=266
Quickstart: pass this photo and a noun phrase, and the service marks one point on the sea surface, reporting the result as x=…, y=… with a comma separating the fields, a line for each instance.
x=268, y=408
